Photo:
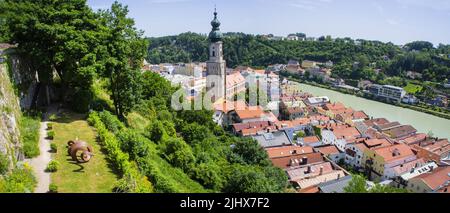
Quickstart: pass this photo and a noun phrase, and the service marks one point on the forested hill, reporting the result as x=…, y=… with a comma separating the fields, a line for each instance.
x=257, y=51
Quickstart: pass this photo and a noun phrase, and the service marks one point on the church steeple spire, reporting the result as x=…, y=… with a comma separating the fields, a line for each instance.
x=215, y=35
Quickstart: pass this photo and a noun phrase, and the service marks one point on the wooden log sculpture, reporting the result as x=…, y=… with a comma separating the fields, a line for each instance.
x=80, y=151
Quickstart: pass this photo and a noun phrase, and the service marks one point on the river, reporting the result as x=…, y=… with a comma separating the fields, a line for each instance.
x=421, y=121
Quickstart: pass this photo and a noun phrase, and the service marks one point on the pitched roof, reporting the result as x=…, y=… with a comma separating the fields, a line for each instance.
x=414, y=139
x=394, y=152
x=406, y=167
x=335, y=186
x=346, y=133
x=311, y=139
x=334, y=106
x=440, y=147
x=285, y=151
x=328, y=150
x=250, y=112
x=309, y=171
x=375, y=142
x=334, y=175
x=227, y=106
x=376, y=121
x=297, y=160
x=272, y=139
x=401, y=131
x=234, y=79
x=436, y=178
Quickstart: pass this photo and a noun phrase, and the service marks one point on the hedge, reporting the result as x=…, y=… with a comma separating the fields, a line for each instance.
x=130, y=173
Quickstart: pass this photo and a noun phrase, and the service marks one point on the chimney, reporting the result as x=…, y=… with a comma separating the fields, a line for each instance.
x=309, y=170
x=305, y=160
x=321, y=170
x=338, y=176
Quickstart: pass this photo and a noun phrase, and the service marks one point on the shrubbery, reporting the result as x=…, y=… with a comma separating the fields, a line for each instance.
x=4, y=164
x=51, y=135
x=20, y=180
x=29, y=134
x=54, y=147
x=53, y=166
x=132, y=180
x=53, y=188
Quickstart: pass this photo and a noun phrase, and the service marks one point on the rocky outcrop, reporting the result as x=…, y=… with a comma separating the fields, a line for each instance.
x=10, y=113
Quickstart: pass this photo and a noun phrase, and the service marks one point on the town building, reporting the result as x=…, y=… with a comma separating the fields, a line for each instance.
x=379, y=161
x=216, y=75
x=434, y=181
x=272, y=139
x=392, y=93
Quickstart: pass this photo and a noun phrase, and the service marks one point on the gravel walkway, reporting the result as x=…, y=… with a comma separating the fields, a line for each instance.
x=40, y=163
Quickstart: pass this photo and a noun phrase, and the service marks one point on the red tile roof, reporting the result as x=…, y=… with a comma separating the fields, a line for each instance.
x=436, y=178
x=285, y=151
x=328, y=150
x=311, y=139
x=414, y=139
x=394, y=152
x=296, y=160
x=346, y=133
x=250, y=112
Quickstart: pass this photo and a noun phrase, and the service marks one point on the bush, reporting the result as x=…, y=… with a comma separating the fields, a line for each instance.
x=29, y=135
x=53, y=188
x=4, y=164
x=21, y=180
x=53, y=117
x=132, y=180
x=111, y=122
x=54, y=147
x=49, y=126
x=52, y=166
x=51, y=135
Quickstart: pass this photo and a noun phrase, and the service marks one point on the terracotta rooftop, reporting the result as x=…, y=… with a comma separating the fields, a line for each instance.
x=234, y=79
x=360, y=115
x=334, y=106
x=371, y=143
x=388, y=126
x=311, y=139
x=229, y=106
x=401, y=131
x=376, y=121
x=327, y=150
x=417, y=138
x=296, y=160
x=346, y=133
x=250, y=112
x=309, y=171
x=436, y=178
x=394, y=152
x=285, y=151
x=406, y=167
x=440, y=147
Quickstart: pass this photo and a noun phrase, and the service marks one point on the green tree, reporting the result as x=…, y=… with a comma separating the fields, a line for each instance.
x=248, y=151
x=126, y=51
x=356, y=185
x=178, y=153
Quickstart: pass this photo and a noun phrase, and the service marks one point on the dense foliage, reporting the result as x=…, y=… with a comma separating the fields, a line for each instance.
x=20, y=180
x=29, y=134
x=358, y=185
x=257, y=51
x=69, y=44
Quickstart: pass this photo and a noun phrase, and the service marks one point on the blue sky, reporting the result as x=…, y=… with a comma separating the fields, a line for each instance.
x=398, y=21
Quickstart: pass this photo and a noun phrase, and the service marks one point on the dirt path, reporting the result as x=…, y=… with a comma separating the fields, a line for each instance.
x=40, y=163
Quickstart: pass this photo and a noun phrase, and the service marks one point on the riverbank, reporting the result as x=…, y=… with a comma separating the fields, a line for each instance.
x=368, y=97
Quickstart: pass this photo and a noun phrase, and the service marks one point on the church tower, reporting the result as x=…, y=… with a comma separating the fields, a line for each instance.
x=216, y=74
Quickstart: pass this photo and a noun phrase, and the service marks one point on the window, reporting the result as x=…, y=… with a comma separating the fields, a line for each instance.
x=214, y=54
